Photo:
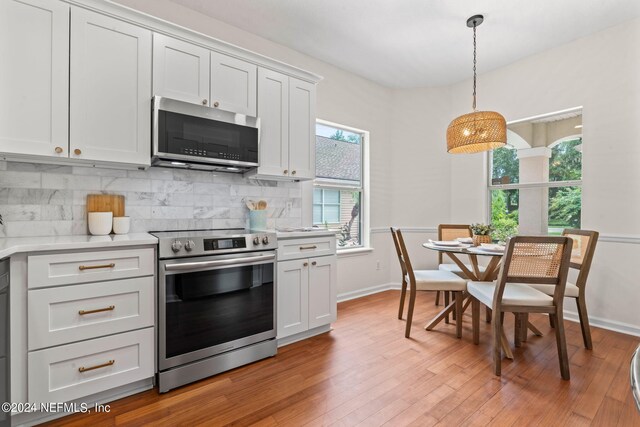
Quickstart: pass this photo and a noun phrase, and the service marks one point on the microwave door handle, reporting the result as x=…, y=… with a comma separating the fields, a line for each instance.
x=233, y=262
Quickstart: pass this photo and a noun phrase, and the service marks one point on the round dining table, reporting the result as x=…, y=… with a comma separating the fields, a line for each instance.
x=476, y=274
x=490, y=272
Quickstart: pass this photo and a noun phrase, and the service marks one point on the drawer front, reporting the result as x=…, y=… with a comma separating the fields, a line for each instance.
x=305, y=248
x=77, y=370
x=82, y=267
x=79, y=312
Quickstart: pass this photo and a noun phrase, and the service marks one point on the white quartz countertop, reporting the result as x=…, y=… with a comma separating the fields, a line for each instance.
x=298, y=234
x=13, y=245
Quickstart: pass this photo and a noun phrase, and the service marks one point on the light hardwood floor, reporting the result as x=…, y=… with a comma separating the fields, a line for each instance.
x=365, y=372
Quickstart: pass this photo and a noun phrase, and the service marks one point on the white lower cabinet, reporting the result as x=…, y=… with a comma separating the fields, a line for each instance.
x=292, y=298
x=306, y=291
x=72, y=371
x=88, y=333
x=73, y=313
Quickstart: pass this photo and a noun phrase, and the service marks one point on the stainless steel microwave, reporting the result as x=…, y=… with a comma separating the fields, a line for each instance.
x=198, y=137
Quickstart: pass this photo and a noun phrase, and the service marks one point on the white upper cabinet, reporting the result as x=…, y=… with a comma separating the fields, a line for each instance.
x=287, y=112
x=180, y=70
x=110, y=92
x=302, y=129
x=273, y=109
x=233, y=84
x=34, y=77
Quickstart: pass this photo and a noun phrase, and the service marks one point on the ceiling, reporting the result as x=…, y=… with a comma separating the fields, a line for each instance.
x=415, y=43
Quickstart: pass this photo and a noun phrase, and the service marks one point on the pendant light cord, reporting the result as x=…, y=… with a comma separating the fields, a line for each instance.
x=474, y=66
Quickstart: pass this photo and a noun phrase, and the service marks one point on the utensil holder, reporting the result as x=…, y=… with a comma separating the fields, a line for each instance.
x=258, y=220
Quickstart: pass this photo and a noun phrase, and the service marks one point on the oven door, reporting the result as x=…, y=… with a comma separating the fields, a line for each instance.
x=194, y=133
x=210, y=305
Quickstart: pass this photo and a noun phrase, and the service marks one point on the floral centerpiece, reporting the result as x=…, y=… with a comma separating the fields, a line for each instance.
x=481, y=233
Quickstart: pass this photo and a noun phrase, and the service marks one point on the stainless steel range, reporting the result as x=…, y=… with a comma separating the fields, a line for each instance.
x=216, y=302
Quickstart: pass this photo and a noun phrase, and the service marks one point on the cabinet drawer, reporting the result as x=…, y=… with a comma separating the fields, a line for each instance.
x=68, y=372
x=73, y=313
x=81, y=267
x=304, y=248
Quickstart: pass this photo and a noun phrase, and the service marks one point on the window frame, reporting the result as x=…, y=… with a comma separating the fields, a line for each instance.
x=517, y=186
x=323, y=203
x=334, y=184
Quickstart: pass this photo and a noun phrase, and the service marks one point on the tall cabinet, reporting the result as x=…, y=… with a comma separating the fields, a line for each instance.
x=287, y=111
x=34, y=77
x=110, y=93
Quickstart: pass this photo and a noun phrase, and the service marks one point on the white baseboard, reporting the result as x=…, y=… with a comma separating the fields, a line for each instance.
x=572, y=316
x=611, y=325
x=346, y=296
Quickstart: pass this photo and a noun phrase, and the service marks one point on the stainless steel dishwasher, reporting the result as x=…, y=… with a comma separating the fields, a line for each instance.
x=5, y=419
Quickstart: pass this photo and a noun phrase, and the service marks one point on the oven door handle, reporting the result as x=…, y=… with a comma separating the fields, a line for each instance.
x=233, y=262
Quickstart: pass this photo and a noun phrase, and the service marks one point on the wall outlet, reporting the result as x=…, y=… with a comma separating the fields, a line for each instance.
x=378, y=265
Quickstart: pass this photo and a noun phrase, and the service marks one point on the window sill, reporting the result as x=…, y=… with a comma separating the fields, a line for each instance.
x=343, y=253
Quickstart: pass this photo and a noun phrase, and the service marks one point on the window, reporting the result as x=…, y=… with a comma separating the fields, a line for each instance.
x=535, y=184
x=339, y=188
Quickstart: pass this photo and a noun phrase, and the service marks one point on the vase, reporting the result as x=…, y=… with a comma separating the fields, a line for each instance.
x=479, y=239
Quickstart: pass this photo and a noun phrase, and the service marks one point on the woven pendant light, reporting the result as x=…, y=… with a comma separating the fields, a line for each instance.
x=479, y=130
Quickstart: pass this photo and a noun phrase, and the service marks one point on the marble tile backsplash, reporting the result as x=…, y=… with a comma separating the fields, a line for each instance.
x=46, y=200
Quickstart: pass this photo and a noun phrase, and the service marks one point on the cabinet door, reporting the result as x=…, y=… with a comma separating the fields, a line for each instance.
x=110, y=93
x=180, y=70
x=273, y=111
x=292, y=297
x=233, y=84
x=302, y=129
x=322, y=291
x=34, y=77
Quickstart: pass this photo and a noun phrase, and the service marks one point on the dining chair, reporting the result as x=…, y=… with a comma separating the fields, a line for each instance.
x=584, y=247
x=527, y=260
x=426, y=280
x=452, y=232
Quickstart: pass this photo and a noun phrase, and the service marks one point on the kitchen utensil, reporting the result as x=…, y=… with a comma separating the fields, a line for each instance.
x=100, y=223
x=251, y=205
x=121, y=224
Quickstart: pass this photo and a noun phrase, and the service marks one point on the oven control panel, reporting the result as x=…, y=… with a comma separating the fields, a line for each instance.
x=227, y=243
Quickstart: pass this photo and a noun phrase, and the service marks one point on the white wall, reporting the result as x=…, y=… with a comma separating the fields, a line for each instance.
x=600, y=72
x=415, y=184
x=342, y=98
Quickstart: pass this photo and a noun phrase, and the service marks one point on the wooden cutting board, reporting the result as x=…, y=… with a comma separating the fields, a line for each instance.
x=106, y=203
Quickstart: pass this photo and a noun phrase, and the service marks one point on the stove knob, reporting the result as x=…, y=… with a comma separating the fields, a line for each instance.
x=265, y=240
x=256, y=240
x=189, y=245
x=176, y=246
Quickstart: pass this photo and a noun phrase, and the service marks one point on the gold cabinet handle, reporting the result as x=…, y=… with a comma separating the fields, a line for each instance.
x=286, y=171
x=293, y=172
x=97, y=310
x=93, y=267
x=305, y=264
x=91, y=368
x=204, y=102
x=77, y=152
x=59, y=150
x=313, y=263
x=302, y=248
x=216, y=104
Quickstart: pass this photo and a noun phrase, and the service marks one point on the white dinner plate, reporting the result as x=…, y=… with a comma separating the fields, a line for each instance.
x=480, y=250
x=468, y=240
x=446, y=243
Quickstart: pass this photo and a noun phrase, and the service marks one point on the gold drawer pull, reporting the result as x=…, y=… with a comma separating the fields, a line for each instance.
x=91, y=368
x=98, y=310
x=308, y=247
x=93, y=267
